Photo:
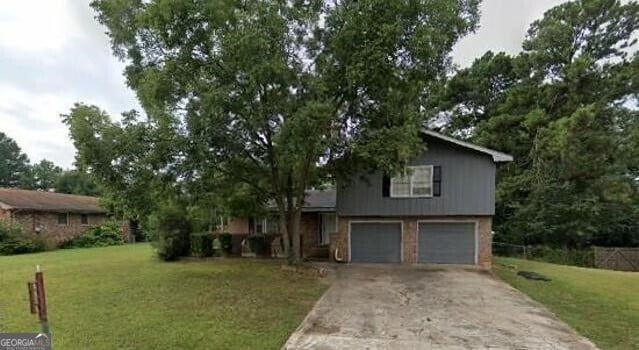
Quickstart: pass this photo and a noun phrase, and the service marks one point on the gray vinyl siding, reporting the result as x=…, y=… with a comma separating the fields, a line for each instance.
x=467, y=187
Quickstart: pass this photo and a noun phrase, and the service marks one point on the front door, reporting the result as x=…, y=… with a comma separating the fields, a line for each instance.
x=328, y=224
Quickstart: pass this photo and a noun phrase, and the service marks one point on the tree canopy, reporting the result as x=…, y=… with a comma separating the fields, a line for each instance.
x=78, y=182
x=13, y=163
x=566, y=108
x=269, y=97
x=41, y=176
x=17, y=172
x=125, y=157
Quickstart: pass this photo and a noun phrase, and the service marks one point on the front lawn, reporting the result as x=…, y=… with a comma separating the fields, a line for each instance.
x=602, y=305
x=123, y=298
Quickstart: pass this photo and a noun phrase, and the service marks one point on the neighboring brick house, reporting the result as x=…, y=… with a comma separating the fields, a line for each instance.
x=55, y=217
x=440, y=211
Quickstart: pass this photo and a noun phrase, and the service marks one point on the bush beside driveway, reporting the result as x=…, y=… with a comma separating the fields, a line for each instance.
x=124, y=298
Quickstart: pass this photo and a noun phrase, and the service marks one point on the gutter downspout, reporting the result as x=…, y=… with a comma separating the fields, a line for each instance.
x=337, y=256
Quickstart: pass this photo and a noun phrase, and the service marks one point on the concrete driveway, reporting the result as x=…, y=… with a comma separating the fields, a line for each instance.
x=421, y=307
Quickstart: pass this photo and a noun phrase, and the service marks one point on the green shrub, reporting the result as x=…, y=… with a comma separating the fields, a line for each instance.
x=260, y=244
x=171, y=231
x=13, y=240
x=202, y=244
x=104, y=235
x=226, y=243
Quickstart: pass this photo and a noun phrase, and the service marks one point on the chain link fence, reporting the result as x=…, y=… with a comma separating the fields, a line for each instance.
x=574, y=257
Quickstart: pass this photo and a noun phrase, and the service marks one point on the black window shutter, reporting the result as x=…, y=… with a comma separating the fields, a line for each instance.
x=386, y=186
x=437, y=181
x=251, y=224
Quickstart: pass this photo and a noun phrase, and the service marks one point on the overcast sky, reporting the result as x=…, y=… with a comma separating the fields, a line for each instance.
x=53, y=53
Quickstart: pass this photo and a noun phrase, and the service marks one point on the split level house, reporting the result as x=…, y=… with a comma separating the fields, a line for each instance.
x=440, y=211
x=54, y=217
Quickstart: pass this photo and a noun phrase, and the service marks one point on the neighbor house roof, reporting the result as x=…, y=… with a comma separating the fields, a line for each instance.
x=316, y=200
x=497, y=156
x=11, y=198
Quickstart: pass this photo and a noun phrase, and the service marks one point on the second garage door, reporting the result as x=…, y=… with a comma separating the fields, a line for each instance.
x=376, y=242
x=447, y=243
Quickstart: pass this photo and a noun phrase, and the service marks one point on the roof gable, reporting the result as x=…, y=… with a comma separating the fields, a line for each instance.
x=497, y=156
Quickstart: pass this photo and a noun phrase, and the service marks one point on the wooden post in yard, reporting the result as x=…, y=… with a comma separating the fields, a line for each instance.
x=41, y=301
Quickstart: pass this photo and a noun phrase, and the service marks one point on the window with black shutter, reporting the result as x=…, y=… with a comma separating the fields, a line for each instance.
x=386, y=186
x=437, y=181
x=415, y=182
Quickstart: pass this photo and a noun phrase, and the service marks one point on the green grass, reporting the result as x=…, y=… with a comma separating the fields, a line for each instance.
x=602, y=305
x=123, y=298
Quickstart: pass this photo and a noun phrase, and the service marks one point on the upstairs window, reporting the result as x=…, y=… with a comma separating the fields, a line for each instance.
x=416, y=182
x=84, y=219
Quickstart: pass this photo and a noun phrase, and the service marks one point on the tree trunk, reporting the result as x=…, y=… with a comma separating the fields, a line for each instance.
x=284, y=227
x=295, y=235
x=289, y=213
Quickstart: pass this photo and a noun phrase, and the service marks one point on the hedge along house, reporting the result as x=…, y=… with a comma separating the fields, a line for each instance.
x=55, y=217
x=439, y=211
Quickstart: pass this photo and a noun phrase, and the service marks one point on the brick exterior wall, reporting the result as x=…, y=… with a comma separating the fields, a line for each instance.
x=4, y=215
x=309, y=231
x=52, y=232
x=339, y=240
x=237, y=226
x=485, y=258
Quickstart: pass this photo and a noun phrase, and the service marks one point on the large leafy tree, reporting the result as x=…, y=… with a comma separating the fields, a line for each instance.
x=41, y=176
x=13, y=163
x=130, y=158
x=565, y=107
x=267, y=93
x=78, y=182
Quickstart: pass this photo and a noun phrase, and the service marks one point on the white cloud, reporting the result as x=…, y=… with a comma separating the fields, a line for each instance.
x=503, y=26
x=53, y=54
x=33, y=121
x=33, y=26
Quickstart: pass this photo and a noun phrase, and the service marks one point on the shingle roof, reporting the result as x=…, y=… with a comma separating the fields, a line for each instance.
x=497, y=156
x=320, y=200
x=11, y=198
x=316, y=200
